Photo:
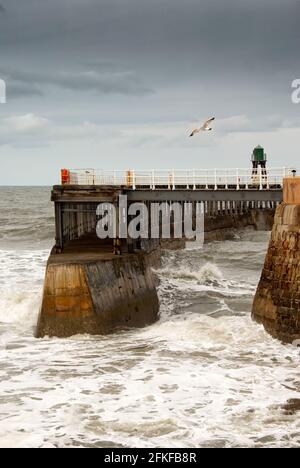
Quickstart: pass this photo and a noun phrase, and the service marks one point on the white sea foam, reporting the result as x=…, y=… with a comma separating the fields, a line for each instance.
x=207, y=278
x=206, y=274
x=192, y=379
x=185, y=383
x=21, y=279
x=19, y=307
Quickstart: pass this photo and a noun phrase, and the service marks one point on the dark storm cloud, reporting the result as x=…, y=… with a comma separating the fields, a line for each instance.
x=223, y=51
x=20, y=90
x=236, y=32
x=82, y=66
x=101, y=80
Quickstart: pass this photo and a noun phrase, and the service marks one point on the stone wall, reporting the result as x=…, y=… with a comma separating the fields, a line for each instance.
x=277, y=301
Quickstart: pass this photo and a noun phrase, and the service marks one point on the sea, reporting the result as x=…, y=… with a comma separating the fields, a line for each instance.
x=204, y=375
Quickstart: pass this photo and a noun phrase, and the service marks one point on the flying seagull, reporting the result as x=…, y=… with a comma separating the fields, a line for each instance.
x=205, y=127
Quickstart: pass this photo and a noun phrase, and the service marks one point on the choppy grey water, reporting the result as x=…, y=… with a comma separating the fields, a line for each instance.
x=203, y=376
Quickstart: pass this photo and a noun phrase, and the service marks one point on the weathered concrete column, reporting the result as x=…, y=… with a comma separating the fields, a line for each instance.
x=277, y=300
x=97, y=293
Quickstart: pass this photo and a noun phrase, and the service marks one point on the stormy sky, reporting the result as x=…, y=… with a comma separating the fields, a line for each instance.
x=118, y=84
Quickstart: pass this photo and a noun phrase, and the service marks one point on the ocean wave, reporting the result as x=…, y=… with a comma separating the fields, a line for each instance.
x=32, y=231
x=20, y=307
x=197, y=377
x=208, y=278
x=26, y=215
x=21, y=284
x=207, y=274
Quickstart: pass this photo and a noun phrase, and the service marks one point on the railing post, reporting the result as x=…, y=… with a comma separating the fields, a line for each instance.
x=173, y=180
x=133, y=180
x=237, y=180
x=284, y=175
x=226, y=181
x=187, y=180
x=194, y=180
x=216, y=182
x=260, y=178
x=153, y=180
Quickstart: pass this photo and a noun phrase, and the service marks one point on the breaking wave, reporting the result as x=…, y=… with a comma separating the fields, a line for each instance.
x=20, y=307
x=207, y=274
x=204, y=375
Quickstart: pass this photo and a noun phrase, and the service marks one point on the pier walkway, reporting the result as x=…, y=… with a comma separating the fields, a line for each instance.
x=223, y=193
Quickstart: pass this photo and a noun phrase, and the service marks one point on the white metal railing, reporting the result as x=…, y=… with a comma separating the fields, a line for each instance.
x=179, y=179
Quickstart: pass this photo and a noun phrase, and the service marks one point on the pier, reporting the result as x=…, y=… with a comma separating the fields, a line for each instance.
x=224, y=193
x=90, y=289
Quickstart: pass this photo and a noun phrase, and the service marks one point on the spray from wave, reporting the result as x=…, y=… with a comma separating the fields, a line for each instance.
x=20, y=307
x=21, y=283
x=207, y=274
x=208, y=277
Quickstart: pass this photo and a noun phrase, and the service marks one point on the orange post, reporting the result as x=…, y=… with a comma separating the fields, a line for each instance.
x=65, y=176
x=129, y=179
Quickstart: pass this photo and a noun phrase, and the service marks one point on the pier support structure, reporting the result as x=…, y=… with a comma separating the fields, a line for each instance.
x=76, y=207
x=277, y=300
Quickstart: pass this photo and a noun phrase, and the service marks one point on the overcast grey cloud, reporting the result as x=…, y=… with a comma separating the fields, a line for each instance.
x=143, y=30
x=101, y=80
x=121, y=82
x=149, y=70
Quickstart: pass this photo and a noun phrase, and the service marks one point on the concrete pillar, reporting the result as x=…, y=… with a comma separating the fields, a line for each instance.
x=97, y=295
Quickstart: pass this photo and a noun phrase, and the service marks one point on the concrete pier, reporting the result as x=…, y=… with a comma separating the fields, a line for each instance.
x=89, y=289
x=277, y=300
x=92, y=291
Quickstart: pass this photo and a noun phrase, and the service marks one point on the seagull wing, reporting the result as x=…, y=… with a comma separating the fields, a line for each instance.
x=207, y=123
x=196, y=130
x=211, y=120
